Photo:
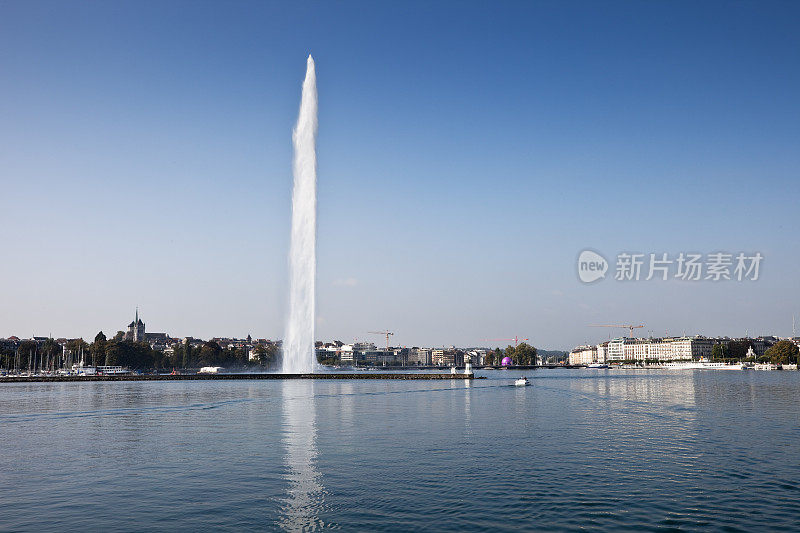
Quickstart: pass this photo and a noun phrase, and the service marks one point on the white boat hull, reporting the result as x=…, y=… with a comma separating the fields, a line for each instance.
x=703, y=366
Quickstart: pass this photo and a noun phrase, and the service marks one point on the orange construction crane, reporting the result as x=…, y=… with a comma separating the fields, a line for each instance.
x=387, y=333
x=631, y=327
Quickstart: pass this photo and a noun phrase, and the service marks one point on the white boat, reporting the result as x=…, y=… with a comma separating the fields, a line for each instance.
x=702, y=365
x=112, y=370
x=79, y=369
x=597, y=365
x=721, y=366
x=522, y=382
x=765, y=366
x=210, y=370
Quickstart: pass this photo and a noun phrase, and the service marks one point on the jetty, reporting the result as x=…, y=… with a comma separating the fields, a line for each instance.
x=241, y=376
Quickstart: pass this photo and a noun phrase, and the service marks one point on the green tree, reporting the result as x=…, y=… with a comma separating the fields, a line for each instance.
x=51, y=353
x=265, y=354
x=717, y=352
x=98, y=349
x=525, y=354
x=187, y=359
x=176, y=360
x=27, y=352
x=259, y=351
x=782, y=353
x=76, y=345
x=7, y=353
x=498, y=355
x=737, y=350
x=112, y=353
x=511, y=352
x=210, y=354
x=134, y=355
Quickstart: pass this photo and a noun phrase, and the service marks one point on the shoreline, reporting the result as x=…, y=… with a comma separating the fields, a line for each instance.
x=205, y=377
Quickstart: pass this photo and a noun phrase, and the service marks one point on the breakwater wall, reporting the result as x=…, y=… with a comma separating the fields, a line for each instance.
x=218, y=377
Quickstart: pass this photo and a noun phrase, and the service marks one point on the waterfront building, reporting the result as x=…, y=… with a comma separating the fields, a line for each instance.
x=639, y=350
x=761, y=344
x=373, y=356
x=602, y=352
x=447, y=357
x=420, y=356
x=686, y=348
x=583, y=355
x=401, y=355
x=346, y=354
x=477, y=356
x=616, y=349
x=658, y=349
x=364, y=347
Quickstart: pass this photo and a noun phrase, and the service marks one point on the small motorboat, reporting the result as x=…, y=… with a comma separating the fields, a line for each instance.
x=522, y=382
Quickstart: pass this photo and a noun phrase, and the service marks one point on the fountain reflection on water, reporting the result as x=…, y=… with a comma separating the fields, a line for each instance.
x=305, y=496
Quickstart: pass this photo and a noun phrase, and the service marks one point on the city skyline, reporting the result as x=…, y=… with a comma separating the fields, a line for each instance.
x=466, y=158
x=136, y=332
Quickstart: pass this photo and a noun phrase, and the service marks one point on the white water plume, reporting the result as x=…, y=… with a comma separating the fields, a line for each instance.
x=298, y=344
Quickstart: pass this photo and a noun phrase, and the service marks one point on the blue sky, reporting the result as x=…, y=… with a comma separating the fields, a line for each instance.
x=467, y=153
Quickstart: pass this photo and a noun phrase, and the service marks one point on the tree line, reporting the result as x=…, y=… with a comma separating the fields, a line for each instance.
x=781, y=353
x=134, y=355
x=522, y=354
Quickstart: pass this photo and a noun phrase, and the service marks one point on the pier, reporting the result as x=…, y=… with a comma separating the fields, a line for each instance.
x=217, y=377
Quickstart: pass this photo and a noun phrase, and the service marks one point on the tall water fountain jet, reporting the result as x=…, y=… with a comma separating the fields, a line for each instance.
x=298, y=343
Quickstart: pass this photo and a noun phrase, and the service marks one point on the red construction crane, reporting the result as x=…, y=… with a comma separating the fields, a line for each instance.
x=629, y=326
x=515, y=339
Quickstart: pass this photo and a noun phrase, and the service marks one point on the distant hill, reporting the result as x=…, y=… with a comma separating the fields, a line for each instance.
x=552, y=353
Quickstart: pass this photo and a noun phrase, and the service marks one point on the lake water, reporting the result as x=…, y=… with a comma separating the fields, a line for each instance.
x=606, y=449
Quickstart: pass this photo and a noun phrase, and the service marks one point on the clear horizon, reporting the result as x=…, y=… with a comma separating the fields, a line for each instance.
x=466, y=157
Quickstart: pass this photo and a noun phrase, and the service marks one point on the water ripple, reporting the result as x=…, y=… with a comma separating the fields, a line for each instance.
x=636, y=451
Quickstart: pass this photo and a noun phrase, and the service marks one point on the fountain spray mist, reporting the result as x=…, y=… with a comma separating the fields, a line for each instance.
x=298, y=343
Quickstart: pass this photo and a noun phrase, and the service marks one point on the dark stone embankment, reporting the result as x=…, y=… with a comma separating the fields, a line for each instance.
x=200, y=377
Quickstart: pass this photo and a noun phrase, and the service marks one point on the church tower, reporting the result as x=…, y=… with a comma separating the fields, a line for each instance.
x=136, y=330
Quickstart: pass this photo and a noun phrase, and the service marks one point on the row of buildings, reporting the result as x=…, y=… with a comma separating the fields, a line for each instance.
x=364, y=353
x=661, y=349
x=347, y=354
x=163, y=342
x=369, y=353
